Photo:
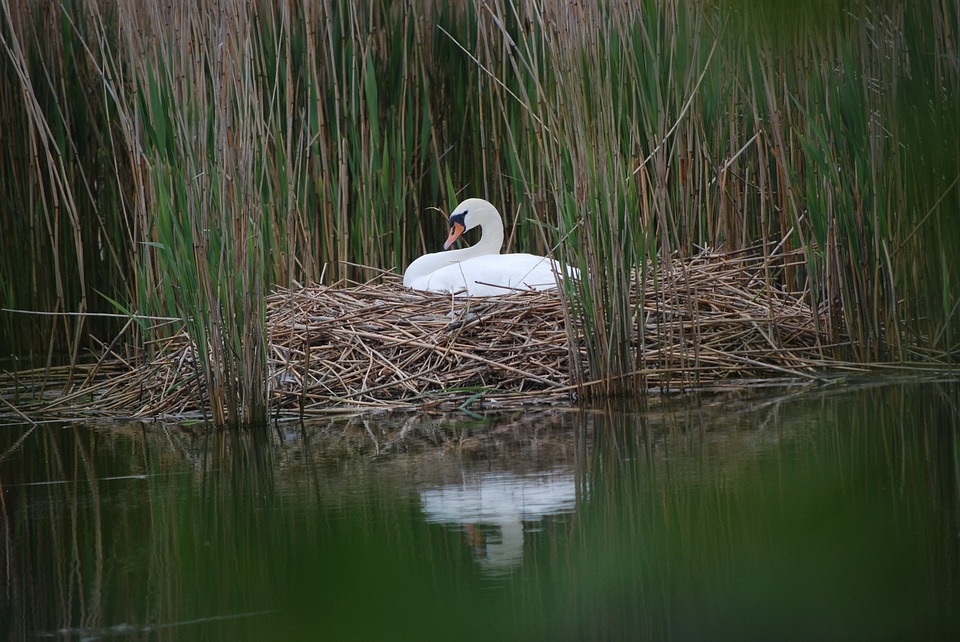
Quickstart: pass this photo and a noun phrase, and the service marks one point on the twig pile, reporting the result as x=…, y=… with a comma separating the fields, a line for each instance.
x=385, y=342
x=709, y=318
x=715, y=317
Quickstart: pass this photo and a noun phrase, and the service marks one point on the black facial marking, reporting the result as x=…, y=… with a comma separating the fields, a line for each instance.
x=458, y=218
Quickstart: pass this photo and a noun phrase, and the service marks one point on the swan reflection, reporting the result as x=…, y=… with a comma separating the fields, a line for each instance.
x=493, y=508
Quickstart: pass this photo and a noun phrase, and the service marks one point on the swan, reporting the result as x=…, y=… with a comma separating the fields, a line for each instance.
x=480, y=270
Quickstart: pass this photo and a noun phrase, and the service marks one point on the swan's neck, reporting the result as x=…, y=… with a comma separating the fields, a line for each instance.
x=491, y=237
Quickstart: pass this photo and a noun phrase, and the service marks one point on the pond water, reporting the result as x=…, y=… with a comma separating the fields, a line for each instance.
x=813, y=514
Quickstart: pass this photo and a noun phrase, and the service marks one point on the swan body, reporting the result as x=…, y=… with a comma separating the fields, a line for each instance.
x=480, y=270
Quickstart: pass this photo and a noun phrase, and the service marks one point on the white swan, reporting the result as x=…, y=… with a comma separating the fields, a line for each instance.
x=480, y=270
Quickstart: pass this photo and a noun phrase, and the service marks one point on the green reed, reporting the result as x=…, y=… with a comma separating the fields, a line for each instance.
x=179, y=160
x=683, y=126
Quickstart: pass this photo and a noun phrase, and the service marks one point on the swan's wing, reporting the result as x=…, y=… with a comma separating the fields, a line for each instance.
x=503, y=273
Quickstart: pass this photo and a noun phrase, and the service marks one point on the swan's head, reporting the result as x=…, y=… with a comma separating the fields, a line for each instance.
x=467, y=215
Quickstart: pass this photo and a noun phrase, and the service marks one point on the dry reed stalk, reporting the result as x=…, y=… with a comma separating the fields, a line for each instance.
x=711, y=318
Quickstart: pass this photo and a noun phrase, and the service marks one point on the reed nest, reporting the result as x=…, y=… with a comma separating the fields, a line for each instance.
x=704, y=319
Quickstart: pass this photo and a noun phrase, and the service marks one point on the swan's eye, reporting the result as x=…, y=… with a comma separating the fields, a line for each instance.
x=459, y=217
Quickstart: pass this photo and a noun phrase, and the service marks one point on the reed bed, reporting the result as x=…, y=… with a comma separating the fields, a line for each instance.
x=702, y=320
x=182, y=159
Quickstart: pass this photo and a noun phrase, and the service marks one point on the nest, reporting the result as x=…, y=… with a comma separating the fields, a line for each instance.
x=708, y=319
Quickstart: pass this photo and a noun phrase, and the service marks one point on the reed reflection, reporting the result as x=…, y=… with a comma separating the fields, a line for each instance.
x=790, y=515
x=786, y=516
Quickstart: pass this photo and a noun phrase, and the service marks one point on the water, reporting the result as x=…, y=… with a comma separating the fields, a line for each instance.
x=809, y=515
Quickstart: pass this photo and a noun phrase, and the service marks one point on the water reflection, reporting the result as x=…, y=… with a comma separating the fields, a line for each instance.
x=494, y=508
x=810, y=515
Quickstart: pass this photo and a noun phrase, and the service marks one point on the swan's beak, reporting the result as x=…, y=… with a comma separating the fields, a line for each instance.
x=456, y=229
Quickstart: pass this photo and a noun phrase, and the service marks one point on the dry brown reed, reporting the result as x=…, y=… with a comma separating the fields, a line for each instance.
x=703, y=319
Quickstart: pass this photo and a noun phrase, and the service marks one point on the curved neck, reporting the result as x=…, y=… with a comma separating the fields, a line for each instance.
x=491, y=235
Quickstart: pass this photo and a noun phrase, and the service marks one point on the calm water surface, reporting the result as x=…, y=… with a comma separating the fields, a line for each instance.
x=788, y=515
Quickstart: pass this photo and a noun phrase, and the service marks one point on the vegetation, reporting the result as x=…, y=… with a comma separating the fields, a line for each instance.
x=379, y=346
x=178, y=159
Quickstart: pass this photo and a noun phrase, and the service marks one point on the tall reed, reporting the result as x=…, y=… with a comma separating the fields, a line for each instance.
x=176, y=159
x=666, y=127
x=196, y=127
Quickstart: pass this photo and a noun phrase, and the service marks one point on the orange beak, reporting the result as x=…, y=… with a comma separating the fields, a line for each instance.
x=455, y=231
